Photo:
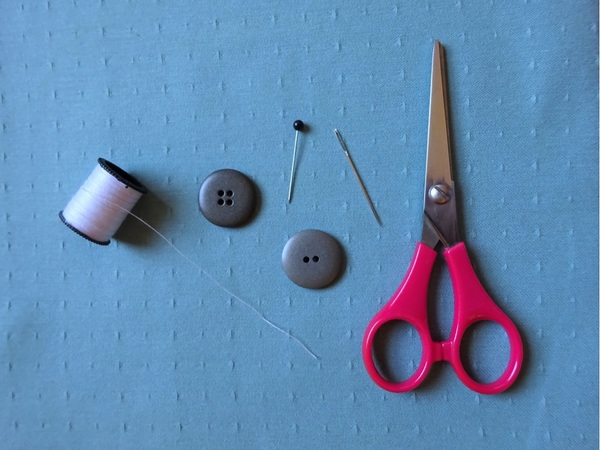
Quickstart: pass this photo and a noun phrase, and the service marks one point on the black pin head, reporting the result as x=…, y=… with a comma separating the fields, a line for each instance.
x=298, y=125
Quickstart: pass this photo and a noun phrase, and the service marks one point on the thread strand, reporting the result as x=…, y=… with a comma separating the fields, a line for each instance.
x=216, y=282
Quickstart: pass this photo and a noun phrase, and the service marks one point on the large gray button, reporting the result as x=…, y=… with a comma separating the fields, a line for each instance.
x=227, y=198
x=312, y=259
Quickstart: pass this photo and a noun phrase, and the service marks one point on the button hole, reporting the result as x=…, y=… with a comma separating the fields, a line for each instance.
x=315, y=258
x=229, y=193
x=221, y=193
x=306, y=259
x=229, y=202
x=220, y=202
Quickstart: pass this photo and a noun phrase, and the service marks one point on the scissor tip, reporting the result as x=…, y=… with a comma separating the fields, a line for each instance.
x=438, y=50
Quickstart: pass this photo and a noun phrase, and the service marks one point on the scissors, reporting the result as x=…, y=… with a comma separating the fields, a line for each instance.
x=440, y=226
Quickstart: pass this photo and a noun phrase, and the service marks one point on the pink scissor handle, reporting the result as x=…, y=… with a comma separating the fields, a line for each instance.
x=409, y=304
x=472, y=304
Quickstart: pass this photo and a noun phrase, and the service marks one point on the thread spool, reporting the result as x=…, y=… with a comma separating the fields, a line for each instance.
x=101, y=204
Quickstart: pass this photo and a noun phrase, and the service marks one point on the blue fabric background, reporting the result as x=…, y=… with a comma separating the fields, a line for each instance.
x=127, y=346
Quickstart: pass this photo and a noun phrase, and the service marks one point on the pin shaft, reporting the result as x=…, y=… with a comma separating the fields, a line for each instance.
x=356, y=174
x=293, y=167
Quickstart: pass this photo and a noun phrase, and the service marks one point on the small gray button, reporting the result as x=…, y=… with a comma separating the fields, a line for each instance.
x=313, y=259
x=227, y=198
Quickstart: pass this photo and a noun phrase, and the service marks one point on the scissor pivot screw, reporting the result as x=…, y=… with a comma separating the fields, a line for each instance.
x=439, y=193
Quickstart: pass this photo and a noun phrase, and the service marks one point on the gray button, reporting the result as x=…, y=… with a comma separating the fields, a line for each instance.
x=313, y=259
x=227, y=198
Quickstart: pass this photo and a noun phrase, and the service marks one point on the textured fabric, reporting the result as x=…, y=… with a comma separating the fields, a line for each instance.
x=129, y=346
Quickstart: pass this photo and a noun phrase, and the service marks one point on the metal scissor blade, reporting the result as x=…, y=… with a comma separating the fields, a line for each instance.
x=439, y=202
x=438, y=145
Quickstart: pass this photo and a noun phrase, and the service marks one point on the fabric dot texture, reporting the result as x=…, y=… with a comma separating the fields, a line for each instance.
x=135, y=345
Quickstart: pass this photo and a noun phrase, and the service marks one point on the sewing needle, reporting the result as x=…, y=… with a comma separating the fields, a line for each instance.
x=360, y=182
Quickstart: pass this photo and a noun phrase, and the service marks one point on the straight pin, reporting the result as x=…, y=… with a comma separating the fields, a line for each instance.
x=298, y=126
x=360, y=182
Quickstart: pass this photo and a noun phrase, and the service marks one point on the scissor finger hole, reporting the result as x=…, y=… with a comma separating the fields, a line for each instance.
x=485, y=351
x=397, y=351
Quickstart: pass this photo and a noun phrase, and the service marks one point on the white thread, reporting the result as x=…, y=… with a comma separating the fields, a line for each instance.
x=100, y=207
x=214, y=280
x=100, y=221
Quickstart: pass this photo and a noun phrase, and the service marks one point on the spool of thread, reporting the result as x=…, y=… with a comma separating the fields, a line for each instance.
x=101, y=204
